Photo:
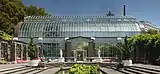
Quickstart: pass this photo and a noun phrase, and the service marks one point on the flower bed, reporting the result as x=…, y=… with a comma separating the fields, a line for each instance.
x=84, y=69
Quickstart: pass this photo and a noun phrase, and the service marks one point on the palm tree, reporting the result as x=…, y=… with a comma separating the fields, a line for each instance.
x=125, y=49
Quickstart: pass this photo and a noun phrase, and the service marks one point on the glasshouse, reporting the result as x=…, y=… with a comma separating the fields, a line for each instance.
x=71, y=33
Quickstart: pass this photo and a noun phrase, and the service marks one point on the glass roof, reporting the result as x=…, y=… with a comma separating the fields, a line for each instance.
x=78, y=18
x=62, y=26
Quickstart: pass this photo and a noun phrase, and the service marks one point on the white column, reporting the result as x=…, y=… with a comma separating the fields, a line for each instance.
x=0, y=50
x=27, y=52
x=38, y=51
x=41, y=39
x=8, y=52
x=15, y=52
x=61, y=53
x=15, y=38
x=99, y=53
x=75, y=56
x=22, y=51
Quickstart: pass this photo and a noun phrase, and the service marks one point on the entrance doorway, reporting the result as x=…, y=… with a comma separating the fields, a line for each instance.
x=79, y=48
x=80, y=55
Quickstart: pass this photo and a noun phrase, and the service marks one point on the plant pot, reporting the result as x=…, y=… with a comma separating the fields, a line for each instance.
x=34, y=63
x=61, y=59
x=120, y=66
x=127, y=62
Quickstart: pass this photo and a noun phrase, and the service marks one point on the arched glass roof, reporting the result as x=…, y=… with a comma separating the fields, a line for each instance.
x=71, y=26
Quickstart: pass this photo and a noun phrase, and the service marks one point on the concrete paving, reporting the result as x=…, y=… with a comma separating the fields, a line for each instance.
x=22, y=69
x=135, y=69
x=6, y=66
x=110, y=71
x=147, y=66
x=50, y=71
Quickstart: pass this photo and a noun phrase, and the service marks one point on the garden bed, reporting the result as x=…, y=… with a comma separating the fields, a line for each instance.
x=81, y=69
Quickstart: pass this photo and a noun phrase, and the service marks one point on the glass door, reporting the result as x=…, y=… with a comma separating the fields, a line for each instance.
x=80, y=56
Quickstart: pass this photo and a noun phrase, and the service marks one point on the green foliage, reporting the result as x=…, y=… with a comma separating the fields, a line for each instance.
x=142, y=41
x=3, y=61
x=5, y=36
x=11, y=12
x=32, y=49
x=33, y=10
x=84, y=69
x=84, y=46
x=148, y=43
x=125, y=48
x=150, y=31
x=14, y=11
x=107, y=50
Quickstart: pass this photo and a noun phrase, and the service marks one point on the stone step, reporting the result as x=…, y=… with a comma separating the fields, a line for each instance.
x=110, y=71
x=38, y=70
x=28, y=70
x=33, y=72
x=131, y=70
x=8, y=69
x=122, y=71
x=144, y=70
x=51, y=70
x=25, y=71
x=135, y=71
x=16, y=70
x=148, y=68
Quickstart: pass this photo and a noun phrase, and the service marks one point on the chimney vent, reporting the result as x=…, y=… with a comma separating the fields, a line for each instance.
x=124, y=10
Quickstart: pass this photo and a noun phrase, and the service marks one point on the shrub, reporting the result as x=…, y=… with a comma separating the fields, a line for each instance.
x=84, y=69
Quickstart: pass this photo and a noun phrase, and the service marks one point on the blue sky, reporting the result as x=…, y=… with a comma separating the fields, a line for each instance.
x=141, y=9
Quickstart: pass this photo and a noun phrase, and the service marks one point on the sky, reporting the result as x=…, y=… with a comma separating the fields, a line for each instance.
x=148, y=10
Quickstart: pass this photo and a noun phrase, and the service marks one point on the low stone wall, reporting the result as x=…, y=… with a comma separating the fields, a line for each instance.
x=66, y=64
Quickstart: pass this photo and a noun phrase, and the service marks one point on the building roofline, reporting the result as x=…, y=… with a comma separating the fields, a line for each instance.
x=74, y=16
x=17, y=29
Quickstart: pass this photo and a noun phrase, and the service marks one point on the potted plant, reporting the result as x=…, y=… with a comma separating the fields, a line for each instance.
x=32, y=52
x=126, y=50
x=3, y=61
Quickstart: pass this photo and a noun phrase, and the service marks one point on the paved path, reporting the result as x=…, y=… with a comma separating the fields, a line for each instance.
x=22, y=69
x=5, y=66
x=148, y=66
x=135, y=69
x=110, y=71
x=50, y=71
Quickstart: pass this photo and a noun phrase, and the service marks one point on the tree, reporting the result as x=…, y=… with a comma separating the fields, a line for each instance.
x=33, y=10
x=147, y=44
x=32, y=49
x=149, y=31
x=152, y=31
x=126, y=48
x=5, y=36
x=14, y=11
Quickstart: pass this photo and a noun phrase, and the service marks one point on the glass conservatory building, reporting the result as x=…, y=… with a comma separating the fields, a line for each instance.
x=69, y=32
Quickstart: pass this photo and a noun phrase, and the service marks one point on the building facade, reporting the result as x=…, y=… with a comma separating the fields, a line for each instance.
x=68, y=32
